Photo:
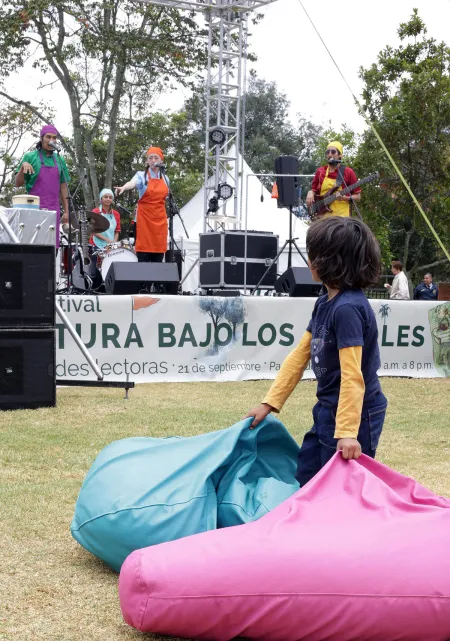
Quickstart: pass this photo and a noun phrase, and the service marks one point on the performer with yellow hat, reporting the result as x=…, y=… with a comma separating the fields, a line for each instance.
x=151, y=218
x=330, y=175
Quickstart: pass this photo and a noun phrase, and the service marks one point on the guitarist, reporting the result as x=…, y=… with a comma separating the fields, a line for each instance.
x=334, y=176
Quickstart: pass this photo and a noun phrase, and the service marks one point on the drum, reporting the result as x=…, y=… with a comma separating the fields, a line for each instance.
x=119, y=254
x=64, y=250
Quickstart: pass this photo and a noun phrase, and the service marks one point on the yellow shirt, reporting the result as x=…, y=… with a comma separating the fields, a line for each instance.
x=351, y=395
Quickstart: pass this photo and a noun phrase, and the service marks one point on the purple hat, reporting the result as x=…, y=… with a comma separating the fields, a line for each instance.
x=48, y=129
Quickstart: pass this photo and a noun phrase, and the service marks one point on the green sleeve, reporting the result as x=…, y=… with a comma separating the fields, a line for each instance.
x=26, y=158
x=64, y=172
x=33, y=158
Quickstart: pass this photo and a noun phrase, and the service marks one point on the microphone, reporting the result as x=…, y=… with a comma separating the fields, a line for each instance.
x=54, y=146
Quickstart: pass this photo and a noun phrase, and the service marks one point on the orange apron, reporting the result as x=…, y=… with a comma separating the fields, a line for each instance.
x=338, y=207
x=152, y=226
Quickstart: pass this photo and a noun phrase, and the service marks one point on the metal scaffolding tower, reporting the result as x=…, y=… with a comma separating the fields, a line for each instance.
x=224, y=89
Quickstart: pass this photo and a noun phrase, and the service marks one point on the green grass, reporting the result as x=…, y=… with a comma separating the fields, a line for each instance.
x=53, y=590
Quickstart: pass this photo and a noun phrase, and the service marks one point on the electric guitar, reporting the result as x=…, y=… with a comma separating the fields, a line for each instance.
x=85, y=273
x=321, y=206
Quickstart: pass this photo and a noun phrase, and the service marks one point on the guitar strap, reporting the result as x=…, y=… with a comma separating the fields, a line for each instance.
x=339, y=181
x=340, y=176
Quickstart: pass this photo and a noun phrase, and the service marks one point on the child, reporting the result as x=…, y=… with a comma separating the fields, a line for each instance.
x=341, y=341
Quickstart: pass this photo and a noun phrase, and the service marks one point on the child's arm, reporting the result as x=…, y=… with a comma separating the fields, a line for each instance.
x=290, y=373
x=287, y=378
x=351, y=398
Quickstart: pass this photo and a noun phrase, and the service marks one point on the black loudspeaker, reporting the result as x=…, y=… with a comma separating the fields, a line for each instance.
x=298, y=282
x=287, y=187
x=177, y=259
x=27, y=285
x=138, y=278
x=27, y=368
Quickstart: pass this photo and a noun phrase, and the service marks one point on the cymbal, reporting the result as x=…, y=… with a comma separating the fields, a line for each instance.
x=96, y=222
x=222, y=219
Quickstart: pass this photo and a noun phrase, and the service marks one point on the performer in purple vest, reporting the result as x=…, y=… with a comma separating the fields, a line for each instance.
x=44, y=174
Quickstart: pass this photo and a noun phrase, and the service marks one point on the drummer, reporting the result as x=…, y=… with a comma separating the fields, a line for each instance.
x=110, y=235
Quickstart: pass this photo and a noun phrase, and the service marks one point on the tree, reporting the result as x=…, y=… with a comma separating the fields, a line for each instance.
x=173, y=133
x=268, y=132
x=14, y=123
x=100, y=52
x=235, y=312
x=407, y=96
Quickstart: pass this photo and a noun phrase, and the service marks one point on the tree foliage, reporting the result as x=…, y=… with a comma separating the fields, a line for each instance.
x=268, y=131
x=15, y=122
x=407, y=96
x=172, y=132
x=100, y=52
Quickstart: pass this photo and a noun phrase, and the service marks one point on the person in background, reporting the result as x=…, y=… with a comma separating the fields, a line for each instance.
x=341, y=341
x=151, y=220
x=325, y=179
x=44, y=174
x=426, y=290
x=110, y=235
x=399, y=289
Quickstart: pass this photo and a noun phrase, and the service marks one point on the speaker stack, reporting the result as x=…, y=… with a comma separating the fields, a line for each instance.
x=27, y=326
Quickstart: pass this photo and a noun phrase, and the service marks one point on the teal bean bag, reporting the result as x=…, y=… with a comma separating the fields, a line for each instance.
x=143, y=491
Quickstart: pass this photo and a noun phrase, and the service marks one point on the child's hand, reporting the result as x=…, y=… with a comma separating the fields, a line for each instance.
x=350, y=448
x=259, y=413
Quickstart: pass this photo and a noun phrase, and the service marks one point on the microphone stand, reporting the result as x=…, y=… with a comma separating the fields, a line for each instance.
x=131, y=218
x=72, y=218
x=173, y=211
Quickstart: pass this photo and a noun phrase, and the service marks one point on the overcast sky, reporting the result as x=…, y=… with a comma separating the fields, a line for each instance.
x=290, y=52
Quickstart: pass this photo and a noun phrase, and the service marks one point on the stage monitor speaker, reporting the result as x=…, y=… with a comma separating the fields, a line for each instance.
x=138, y=278
x=298, y=282
x=27, y=285
x=287, y=187
x=27, y=368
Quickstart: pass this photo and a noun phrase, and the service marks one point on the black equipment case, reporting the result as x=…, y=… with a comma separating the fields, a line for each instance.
x=222, y=259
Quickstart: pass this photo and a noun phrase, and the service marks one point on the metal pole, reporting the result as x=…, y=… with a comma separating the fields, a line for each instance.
x=78, y=341
x=59, y=309
x=245, y=239
x=208, y=112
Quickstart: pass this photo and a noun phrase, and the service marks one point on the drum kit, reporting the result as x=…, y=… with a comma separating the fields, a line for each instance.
x=85, y=267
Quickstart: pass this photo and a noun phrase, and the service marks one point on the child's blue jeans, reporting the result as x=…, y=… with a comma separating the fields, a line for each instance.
x=319, y=443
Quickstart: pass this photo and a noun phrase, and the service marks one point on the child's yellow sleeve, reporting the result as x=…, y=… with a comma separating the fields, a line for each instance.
x=290, y=373
x=351, y=395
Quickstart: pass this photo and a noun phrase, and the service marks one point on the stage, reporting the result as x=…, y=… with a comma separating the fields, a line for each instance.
x=151, y=338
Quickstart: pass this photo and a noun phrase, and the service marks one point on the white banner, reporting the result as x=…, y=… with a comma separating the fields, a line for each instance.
x=196, y=338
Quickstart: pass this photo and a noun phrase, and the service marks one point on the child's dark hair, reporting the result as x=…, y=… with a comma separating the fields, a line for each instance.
x=344, y=252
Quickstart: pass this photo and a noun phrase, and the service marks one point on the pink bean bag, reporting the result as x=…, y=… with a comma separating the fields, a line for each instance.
x=360, y=553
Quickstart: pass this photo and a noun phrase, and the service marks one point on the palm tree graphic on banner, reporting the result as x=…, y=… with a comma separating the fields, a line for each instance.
x=384, y=311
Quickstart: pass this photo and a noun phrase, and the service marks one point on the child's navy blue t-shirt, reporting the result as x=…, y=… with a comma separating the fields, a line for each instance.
x=347, y=320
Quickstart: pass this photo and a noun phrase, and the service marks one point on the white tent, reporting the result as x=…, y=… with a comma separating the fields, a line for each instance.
x=261, y=216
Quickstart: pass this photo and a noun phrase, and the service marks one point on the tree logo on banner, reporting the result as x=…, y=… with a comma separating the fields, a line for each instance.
x=384, y=311
x=227, y=314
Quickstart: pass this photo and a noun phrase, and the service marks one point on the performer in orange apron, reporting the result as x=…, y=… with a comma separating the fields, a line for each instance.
x=151, y=218
x=325, y=179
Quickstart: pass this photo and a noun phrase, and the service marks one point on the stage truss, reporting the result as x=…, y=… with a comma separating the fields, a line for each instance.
x=224, y=90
